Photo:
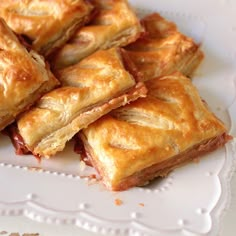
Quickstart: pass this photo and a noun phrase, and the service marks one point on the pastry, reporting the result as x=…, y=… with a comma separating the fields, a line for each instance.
x=163, y=49
x=153, y=135
x=90, y=89
x=24, y=76
x=47, y=25
x=115, y=25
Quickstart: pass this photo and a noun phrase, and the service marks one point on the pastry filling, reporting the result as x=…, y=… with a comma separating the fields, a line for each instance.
x=79, y=149
x=16, y=139
x=157, y=170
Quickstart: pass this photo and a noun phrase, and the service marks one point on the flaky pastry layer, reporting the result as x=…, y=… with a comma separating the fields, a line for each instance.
x=163, y=50
x=45, y=24
x=24, y=76
x=90, y=89
x=115, y=25
x=153, y=135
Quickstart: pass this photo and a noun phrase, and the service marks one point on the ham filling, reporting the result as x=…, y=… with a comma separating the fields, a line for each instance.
x=17, y=141
x=157, y=170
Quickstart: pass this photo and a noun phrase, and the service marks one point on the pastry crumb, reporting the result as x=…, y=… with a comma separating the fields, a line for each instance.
x=92, y=176
x=196, y=160
x=118, y=202
x=34, y=168
x=3, y=232
x=92, y=179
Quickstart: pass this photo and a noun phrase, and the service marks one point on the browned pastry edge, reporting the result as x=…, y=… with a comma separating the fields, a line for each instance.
x=119, y=34
x=161, y=169
x=25, y=41
x=186, y=61
x=50, y=50
x=8, y=119
x=92, y=115
x=50, y=57
x=130, y=66
x=195, y=62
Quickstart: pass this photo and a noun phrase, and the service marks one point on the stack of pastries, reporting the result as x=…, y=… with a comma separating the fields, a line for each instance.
x=92, y=71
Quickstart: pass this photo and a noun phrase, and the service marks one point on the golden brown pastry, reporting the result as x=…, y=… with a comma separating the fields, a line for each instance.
x=24, y=76
x=163, y=49
x=46, y=24
x=115, y=25
x=153, y=135
x=91, y=88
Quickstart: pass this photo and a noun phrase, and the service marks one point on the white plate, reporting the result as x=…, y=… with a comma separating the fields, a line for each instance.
x=190, y=200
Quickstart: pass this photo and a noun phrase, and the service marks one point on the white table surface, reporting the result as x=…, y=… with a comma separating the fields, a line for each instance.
x=24, y=225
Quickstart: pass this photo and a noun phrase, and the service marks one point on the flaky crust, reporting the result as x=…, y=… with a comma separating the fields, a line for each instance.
x=163, y=49
x=90, y=89
x=47, y=24
x=115, y=25
x=24, y=76
x=171, y=125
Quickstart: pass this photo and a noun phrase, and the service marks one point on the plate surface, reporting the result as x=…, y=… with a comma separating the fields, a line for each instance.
x=190, y=200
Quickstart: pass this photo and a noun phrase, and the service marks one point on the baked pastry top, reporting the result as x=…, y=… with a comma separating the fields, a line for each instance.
x=91, y=88
x=45, y=24
x=163, y=49
x=152, y=135
x=24, y=76
x=115, y=25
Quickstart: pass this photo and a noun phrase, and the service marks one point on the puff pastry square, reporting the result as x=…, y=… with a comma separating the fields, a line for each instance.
x=47, y=25
x=163, y=49
x=91, y=88
x=115, y=25
x=153, y=135
x=24, y=76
